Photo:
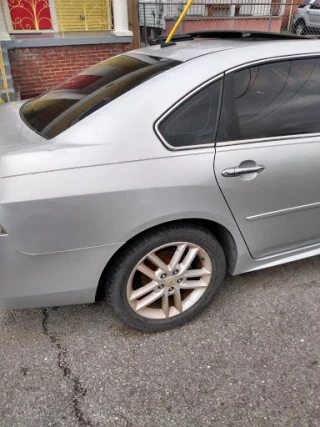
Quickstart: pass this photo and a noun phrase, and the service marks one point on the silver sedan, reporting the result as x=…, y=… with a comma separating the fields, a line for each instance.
x=151, y=175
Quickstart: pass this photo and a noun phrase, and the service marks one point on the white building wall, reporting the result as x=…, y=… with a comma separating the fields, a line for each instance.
x=4, y=35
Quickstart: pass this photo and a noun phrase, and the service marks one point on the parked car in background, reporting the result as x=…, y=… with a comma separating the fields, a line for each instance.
x=306, y=20
x=153, y=174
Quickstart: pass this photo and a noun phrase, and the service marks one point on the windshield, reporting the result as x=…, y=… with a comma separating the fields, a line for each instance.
x=66, y=104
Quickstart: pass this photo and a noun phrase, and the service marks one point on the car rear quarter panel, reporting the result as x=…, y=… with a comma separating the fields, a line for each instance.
x=107, y=178
x=93, y=206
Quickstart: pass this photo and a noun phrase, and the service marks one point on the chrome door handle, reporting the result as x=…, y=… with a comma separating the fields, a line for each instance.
x=232, y=172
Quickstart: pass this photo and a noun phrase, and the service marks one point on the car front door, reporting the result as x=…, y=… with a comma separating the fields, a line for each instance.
x=268, y=154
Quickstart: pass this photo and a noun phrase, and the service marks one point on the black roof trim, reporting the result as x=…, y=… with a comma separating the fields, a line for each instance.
x=244, y=34
x=233, y=34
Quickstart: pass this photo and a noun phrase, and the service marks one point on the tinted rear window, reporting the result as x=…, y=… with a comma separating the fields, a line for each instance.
x=63, y=106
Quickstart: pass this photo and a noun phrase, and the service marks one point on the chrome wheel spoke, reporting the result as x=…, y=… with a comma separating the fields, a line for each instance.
x=169, y=280
x=196, y=273
x=149, y=299
x=143, y=290
x=177, y=256
x=147, y=271
x=193, y=284
x=192, y=252
x=177, y=300
x=165, y=304
x=158, y=262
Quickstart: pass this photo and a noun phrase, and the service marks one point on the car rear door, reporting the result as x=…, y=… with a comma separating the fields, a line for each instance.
x=268, y=154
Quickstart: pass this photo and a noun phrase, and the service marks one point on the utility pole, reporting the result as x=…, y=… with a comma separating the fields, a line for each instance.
x=133, y=15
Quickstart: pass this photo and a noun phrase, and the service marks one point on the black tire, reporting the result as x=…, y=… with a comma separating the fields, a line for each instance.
x=121, y=269
x=300, y=28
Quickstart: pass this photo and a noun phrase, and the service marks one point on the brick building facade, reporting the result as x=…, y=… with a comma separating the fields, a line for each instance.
x=35, y=70
x=62, y=38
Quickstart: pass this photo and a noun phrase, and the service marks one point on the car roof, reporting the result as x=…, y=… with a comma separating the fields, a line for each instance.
x=192, y=45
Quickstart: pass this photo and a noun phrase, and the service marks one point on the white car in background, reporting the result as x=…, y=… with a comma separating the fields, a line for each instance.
x=307, y=18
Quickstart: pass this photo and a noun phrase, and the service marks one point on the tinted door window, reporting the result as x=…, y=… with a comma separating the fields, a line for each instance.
x=193, y=122
x=275, y=99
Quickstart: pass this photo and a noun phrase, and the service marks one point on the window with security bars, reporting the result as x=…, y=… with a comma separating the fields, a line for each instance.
x=30, y=15
x=83, y=15
x=72, y=15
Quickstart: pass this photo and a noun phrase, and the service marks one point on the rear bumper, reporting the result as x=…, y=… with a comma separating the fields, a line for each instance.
x=62, y=278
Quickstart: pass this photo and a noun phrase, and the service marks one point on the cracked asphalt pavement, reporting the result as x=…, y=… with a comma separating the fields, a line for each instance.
x=252, y=359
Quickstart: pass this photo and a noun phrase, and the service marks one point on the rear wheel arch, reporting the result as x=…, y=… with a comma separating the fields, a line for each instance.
x=221, y=233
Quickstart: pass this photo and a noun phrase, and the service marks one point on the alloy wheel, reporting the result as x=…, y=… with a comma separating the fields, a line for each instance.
x=169, y=280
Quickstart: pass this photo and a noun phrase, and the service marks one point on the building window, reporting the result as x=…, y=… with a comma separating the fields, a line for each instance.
x=30, y=14
x=222, y=10
x=83, y=15
x=70, y=15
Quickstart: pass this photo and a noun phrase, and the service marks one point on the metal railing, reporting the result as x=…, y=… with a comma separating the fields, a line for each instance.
x=84, y=15
x=30, y=14
x=290, y=16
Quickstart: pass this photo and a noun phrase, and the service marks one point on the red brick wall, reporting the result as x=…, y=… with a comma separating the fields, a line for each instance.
x=35, y=70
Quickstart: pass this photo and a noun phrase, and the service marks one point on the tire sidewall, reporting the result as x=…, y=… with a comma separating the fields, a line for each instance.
x=197, y=235
x=303, y=27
